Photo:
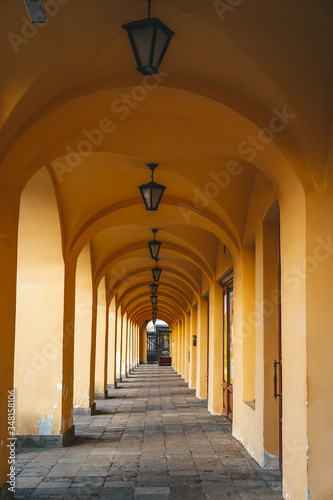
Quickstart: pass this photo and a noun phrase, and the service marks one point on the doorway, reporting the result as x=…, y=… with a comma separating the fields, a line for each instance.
x=272, y=311
x=228, y=321
x=164, y=358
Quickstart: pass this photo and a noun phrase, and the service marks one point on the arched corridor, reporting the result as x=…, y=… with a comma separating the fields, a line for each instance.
x=176, y=170
x=152, y=439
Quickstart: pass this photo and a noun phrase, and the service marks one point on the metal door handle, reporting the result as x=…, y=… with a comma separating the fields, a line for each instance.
x=276, y=395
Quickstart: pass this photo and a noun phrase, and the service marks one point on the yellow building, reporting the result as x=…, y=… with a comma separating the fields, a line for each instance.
x=239, y=120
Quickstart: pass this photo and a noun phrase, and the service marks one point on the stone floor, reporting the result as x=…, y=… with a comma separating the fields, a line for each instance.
x=153, y=439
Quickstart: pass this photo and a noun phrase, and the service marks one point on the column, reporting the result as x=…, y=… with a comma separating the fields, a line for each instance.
x=124, y=346
x=193, y=348
x=112, y=351
x=187, y=345
x=101, y=336
x=119, y=343
x=202, y=322
x=215, y=392
x=82, y=342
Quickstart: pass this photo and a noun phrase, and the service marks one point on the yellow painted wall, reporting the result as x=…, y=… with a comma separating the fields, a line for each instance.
x=83, y=322
x=215, y=370
x=112, y=344
x=39, y=314
x=319, y=287
x=124, y=346
x=101, y=334
x=269, y=306
x=193, y=349
x=9, y=210
x=119, y=342
x=201, y=385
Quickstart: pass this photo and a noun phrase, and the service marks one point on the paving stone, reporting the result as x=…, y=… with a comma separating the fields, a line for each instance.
x=151, y=439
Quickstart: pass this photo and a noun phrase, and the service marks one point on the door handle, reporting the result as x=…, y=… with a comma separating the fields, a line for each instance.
x=276, y=395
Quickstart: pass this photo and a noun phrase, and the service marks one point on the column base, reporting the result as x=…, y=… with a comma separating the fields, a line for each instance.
x=85, y=411
x=119, y=380
x=35, y=441
x=5, y=494
x=68, y=437
x=112, y=386
x=101, y=395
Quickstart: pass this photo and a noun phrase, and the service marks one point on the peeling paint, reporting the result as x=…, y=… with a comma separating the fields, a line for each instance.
x=59, y=386
x=55, y=406
x=45, y=426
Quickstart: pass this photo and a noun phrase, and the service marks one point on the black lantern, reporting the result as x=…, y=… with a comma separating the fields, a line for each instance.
x=153, y=299
x=156, y=272
x=155, y=311
x=149, y=39
x=153, y=288
x=152, y=192
x=154, y=321
x=154, y=246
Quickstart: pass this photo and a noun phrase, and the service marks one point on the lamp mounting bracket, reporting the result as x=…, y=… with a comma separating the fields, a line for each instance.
x=152, y=166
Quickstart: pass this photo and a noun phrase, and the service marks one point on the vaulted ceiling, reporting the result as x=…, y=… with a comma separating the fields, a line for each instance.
x=226, y=75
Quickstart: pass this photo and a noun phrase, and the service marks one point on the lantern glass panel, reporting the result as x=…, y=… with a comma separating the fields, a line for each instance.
x=143, y=38
x=153, y=299
x=146, y=197
x=36, y=11
x=161, y=42
x=156, y=195
x=154, y=248
x=156, y=273
x=153, y=288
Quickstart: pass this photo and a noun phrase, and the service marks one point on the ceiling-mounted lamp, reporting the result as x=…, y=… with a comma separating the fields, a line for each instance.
x=152, y=192
x=36, y=11
x=149, y=39
x=153, y=299
x=154, y=246
x=153, y=288
x=156, y=272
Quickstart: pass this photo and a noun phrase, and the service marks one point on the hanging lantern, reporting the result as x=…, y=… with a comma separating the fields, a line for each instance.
x=153, y=299
x=155, y=311
x=154, y=246
x=152, y=192
x=149, y=39
x=153, y=288
x=156, y=272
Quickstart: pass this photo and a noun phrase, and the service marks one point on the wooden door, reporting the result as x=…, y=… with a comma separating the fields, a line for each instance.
x=280, y=356
x=228, y=320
